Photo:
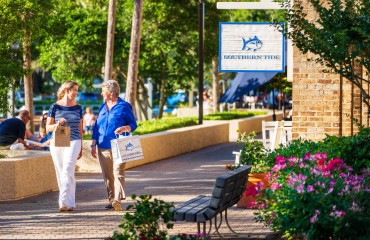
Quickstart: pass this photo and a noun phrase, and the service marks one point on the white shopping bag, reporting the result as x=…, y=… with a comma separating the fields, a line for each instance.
x=126, y=149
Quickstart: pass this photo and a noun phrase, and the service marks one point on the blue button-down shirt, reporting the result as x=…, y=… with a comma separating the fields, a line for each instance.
x=108, y=121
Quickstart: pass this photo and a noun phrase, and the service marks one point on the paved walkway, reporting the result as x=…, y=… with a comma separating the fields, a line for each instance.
x=174, y=180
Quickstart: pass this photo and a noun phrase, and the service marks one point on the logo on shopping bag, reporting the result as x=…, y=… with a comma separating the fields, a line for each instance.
x=129, y=147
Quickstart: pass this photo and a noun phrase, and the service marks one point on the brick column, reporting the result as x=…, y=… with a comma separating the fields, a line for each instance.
x=317, y=102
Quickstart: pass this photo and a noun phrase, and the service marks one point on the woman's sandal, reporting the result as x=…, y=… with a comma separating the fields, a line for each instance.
x=63, y=209
x=66, y=209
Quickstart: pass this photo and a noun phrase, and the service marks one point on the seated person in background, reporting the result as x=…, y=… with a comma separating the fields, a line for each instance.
x=42, y=131
x=13, y=130
x=30, y=136
x=88, y=121
x=45, y=137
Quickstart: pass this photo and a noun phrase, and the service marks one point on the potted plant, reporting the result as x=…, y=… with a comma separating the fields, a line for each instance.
x=253, y=153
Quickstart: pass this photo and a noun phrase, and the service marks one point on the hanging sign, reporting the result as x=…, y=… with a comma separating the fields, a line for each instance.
x=250, y=47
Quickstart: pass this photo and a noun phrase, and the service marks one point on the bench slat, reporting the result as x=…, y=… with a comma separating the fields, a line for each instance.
x=183, y=211
x=190, y=201
x=191, y=215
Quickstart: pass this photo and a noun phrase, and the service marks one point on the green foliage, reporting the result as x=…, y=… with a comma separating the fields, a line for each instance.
x=77, y=50
x=168, y=50
x=279, y=82
x=254, y=153
x=159, y=125
x=4, y=89
x=314, y=197
x=232, y=115
x=337, y=33
x=145, y=222
x=354, y=150
x=19, y=20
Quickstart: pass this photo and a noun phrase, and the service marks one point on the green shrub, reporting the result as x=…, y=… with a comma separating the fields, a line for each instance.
x=354, y=150
x=236, y=114
x=145, y=222
x=314, y=197
x=253, y=153
x=158, y=125
x=324, y=195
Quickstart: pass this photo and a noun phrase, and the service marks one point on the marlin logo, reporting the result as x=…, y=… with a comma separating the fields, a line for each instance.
x=129, y=147
x=252, y=44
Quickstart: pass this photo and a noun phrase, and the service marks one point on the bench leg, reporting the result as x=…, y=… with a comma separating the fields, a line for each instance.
x=204, y=228
x=219, y=225
x=228, y=225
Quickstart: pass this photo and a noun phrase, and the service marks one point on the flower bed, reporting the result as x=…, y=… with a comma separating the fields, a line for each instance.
x=313, y=197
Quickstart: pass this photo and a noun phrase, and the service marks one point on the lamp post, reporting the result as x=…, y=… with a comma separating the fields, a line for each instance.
x=273, y=105
x=201, y=59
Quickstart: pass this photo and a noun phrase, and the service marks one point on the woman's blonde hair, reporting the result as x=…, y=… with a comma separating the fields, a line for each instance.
x=67, y=85
x=111, y=86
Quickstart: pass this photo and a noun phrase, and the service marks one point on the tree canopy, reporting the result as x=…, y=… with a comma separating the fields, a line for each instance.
x=338, y=36
x=23, y=22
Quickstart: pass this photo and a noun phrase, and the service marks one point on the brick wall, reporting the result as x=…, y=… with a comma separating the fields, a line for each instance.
x=317, y=103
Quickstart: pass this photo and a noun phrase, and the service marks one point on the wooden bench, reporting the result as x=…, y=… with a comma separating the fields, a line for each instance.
x=227, y=191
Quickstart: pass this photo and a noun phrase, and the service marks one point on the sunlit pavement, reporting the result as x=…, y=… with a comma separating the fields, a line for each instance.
x=173, y=180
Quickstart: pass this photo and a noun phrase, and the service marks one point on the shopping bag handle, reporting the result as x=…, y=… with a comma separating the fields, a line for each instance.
x=129, y=135
x=64, y=125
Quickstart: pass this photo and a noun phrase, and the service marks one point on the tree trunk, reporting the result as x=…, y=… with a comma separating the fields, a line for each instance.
x=191, y=96
x=134, y=54
x=215, y=85
x=110, y=40
x=142, y=101
x=28, y=86
x=162, y=99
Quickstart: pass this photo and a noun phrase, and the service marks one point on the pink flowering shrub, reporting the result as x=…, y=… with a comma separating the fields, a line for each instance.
x=313, y=197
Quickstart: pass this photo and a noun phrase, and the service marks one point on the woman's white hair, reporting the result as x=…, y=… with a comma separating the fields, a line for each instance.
x=111, y=86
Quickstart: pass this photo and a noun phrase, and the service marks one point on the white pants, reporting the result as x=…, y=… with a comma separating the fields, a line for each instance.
x=64, y=159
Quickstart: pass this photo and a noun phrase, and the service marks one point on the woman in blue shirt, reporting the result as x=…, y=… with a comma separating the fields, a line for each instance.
x=66, y=111
x=115, y=117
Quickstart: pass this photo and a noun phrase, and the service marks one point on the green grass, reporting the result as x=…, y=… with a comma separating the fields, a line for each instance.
x=233, y=115
x=163, y=124
x=159, y=125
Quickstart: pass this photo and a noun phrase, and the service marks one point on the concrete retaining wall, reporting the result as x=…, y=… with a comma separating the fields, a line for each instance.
x=162, y=145
x=26, y=173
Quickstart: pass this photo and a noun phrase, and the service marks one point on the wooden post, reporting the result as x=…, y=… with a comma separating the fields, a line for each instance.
x=110, y=40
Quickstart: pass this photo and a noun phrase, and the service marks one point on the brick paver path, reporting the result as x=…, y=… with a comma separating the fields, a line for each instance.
x=174, y=180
